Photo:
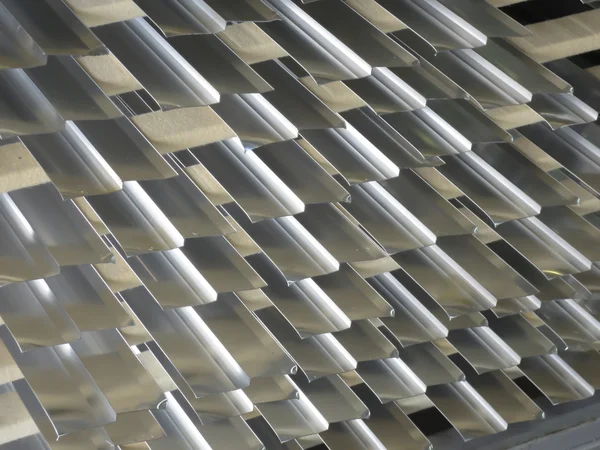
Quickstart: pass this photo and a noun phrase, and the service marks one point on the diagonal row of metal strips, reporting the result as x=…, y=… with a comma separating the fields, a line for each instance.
x=248, y=224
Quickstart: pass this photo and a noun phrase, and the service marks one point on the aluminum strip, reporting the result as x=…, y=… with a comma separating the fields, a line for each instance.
x=480, y=262
x=443, y=29
x=246, y=338
x=417, y=196
x=483, y=16
x=23, y=256
x=242, y=10
x=75, y=167
x=144, y=229
x=551, y=254
x=354, y=295
x=179, y=430
x=497, y=198
x=350, y=154
x=584, y=363
x=87, y=299
x=365, y=342
x=504, y=395
x=323, y=66
x=156, y=64
x=259, y=192
x=294, y=100
x=351, y=434
x=54, y=27
x=271, y=389
x=430, y=82
x=134, y=427
x=431, y=366
x=336, y=95
x=387, y=220
x=106, y=354
x=453, y=288
x=390, y=379
x=261, y=125
x=186, y=207
x=487, y=85
x=522, y=336
x=334, y=399
x=397, y=137
x=359, y=34
x=577, y=328
x=468, y=411
x=25, y=109
x=483, y=349
x=177, y=17
x=181, y=334
x=223, y=69
x=317, y=356
x=212, y=408
x=221, y=264
x=468, y=120
x=285, y=236
x=527, y=176
x=574, y=229
x=65, y=231
x=386, y=93
x=339, y=233
x=563, y=110
x=17, y=48
x=301, y=173
x=71, y=91
x=126, y=150
x=232, y=433
x=510, y=306
x=391, y=426
x=376, y=14
x=412, y=323
x=55, y=380
x=172, y=279
x=557, y=381
x=35, y=317
x=304, y=304
x=294, y=418
x=584, y=83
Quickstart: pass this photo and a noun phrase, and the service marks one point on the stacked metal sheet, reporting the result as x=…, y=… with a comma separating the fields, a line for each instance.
x=248, y=224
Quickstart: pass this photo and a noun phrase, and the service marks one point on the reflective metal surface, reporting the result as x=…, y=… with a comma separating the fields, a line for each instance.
x=296, y=224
